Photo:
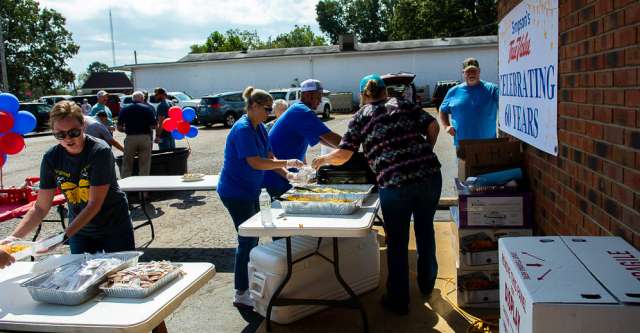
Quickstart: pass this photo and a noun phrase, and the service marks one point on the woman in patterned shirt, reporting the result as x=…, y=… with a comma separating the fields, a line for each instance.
x=397, y=138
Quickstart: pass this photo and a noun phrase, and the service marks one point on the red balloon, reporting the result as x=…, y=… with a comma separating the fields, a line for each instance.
x=3, y=158
x=175, y=112
x=183, y=127
x=169, y=124
x=6, y=121
x=12, y=143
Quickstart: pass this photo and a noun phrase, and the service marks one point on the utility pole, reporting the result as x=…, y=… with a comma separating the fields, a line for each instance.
x=3, y=61
x=135, y=57
x=113, y=44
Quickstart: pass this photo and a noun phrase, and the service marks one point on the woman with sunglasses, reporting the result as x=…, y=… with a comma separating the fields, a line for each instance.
x=247, y=154
x=83, y=168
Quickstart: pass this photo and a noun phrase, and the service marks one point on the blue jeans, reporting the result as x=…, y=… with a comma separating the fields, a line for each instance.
x=398, y=204
x=240, y=211
x=119, y=239
x=166, y=143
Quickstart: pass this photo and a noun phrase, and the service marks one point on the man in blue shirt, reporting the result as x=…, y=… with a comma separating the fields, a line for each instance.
x=472, y=105
x=163, y=138
x=138, y=122
x=297, y=129
x=101, y=106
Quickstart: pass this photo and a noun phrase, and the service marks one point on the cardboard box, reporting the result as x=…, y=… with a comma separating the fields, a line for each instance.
x=478, y=289
x=482, y=156
x=494, y=209
x=477, y=248
x=569, y=284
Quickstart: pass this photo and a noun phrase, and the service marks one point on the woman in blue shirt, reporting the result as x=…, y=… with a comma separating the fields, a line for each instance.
x=247, y=154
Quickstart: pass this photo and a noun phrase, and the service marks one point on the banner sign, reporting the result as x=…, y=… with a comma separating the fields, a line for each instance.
x=528, y=73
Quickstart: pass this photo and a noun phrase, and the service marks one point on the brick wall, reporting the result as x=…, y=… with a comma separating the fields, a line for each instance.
x=593, y=186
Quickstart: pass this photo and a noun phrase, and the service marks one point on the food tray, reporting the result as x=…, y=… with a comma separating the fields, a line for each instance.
x=318, y=207
x=28, y=251
x=61, y=297
x=363, y=191
x=142, y=292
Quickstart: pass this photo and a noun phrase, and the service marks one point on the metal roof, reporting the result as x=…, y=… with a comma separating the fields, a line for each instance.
x=437, y=43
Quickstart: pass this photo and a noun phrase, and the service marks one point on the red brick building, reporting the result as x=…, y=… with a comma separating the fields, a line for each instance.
x=593, y=186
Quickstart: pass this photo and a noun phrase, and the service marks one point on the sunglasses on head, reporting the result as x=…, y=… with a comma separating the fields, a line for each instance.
x=72, y=133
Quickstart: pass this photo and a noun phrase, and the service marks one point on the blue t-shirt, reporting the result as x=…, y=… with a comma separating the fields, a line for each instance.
x=473, y=110
x=238, y=179
x=297, y=129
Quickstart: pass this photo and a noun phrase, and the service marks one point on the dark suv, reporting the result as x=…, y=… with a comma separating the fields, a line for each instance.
x=442, y=87
x=223, y=108
x=40, y=111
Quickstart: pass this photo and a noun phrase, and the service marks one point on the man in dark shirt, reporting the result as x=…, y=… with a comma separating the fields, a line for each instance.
x=137, y=121
x=163, y=138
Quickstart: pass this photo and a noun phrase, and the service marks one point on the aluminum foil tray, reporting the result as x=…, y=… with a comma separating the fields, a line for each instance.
x=319, y=207
x=76, y=297
x=142, y=292
x=357, y=191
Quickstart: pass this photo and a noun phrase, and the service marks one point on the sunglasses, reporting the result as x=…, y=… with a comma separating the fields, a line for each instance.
x=267, y=108
x=72, y=133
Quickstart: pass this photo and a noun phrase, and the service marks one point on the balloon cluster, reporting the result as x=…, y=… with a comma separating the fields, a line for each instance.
x=179, y=122
x=13, y=124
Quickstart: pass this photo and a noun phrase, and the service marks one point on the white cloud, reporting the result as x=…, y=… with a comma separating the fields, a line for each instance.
x=162, y=30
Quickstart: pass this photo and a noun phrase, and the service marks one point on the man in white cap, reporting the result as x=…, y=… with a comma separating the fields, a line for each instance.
x=297, y=129
x=103, y=96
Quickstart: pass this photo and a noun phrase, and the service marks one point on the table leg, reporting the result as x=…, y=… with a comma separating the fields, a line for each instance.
x=161, y=328
x=148, y=222
x=281, y=287
x=354, y=297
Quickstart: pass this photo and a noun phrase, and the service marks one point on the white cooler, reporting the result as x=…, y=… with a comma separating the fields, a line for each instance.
x=312, y=278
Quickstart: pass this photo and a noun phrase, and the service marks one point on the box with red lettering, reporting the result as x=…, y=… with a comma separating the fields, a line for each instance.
x=569, y=284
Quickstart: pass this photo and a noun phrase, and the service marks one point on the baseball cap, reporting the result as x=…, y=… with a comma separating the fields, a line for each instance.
x=311, y=85
x=470, y=62
x=102, y=93
x=374, y=77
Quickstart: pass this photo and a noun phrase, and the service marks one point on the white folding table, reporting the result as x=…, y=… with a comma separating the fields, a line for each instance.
x=18, y=312
x=329, y=226
x=161, y=184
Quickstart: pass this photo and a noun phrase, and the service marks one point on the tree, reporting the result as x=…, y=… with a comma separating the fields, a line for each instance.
x=381, y=20
x=37, y=46
x=232, y=40
x=368, y=19
x=97, y=67
x=236, y=40
x=298, y=37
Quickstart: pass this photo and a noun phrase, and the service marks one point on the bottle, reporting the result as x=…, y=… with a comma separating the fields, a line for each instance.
x=265, y=208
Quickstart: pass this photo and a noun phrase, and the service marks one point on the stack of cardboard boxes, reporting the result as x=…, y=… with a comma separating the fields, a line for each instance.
x=483, y=216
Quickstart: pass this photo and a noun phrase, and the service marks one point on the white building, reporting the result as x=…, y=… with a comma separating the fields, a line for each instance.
x=339, y=67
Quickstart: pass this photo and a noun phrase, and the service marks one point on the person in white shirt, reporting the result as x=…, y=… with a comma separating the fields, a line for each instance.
x=86, y=107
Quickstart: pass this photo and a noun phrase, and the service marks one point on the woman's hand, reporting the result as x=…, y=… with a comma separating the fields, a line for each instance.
x=318, y=162
x=297, y=164
x=6, y=259
x=450, y=130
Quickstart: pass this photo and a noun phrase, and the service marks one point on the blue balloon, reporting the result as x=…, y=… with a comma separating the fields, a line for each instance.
x=177, y=135
x=24, y=122
x=9, y=103
x=193, y=131
x=188, y=114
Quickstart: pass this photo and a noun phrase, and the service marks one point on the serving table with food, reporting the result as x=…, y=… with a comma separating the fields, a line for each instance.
x=323, y=211
x=103, y=292
x=186, y=182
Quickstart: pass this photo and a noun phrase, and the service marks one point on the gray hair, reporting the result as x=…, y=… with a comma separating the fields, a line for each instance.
x=280, y=101
x=138, y=96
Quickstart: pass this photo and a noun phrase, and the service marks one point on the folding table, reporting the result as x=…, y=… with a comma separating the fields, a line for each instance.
x=161, y=184
x=333, y=226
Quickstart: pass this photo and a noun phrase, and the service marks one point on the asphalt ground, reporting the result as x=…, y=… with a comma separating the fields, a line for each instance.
x=194, y=226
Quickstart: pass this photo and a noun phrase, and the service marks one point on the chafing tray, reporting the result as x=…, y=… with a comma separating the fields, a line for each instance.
x=319, y=207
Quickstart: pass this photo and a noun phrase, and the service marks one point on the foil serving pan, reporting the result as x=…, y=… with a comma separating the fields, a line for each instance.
x=130, y=292
x=319, y=207
x=355, y=191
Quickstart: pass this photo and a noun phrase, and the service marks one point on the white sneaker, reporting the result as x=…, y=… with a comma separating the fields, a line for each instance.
x=242, y=299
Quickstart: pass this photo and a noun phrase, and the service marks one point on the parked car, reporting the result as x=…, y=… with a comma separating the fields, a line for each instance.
x=40, y=111
x=292, y=95
x=442, y=87
x=91, y=99
x=53, y=99
x=400, y=85
x=182, y=99
x=223, y=108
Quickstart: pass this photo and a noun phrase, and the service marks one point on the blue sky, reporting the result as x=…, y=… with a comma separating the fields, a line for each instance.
x=161, y=30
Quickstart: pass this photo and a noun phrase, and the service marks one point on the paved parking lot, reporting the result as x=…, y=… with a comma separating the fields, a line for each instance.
x=194, y=226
